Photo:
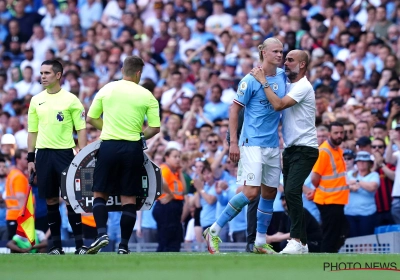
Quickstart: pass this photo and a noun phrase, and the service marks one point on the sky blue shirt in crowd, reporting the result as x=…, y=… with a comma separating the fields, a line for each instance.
x=214, y=111
x=261, y=119
x=3, y=209
x=148, y=220
x=208, y=211
x=309, y=204
x=361, y=202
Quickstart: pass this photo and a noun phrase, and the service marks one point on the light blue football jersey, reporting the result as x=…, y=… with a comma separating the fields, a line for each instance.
x=260, y=126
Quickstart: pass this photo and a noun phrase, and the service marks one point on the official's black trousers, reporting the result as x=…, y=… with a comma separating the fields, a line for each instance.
x=334, y=227
x=298, y=162
x=169, y=227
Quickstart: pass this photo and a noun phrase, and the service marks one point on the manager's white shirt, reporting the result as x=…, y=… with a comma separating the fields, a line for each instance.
x=298, y=126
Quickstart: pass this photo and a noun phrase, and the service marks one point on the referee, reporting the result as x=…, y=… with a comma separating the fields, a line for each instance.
x=52, y=116
x=124, y=105
x=300, y=137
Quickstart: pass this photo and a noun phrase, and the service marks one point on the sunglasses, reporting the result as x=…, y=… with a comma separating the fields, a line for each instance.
x=200, y=159
x=212, y=142
x=377, y=146
x=348, y=158
x=349, y=131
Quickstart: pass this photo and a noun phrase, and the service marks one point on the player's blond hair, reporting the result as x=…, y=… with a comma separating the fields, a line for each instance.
x=266, y=44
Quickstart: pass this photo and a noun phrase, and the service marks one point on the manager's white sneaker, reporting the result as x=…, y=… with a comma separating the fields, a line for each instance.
x=293, y=247
x=304, y=249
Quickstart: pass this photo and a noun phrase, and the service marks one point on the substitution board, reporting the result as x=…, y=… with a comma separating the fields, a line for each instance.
x=77, y=182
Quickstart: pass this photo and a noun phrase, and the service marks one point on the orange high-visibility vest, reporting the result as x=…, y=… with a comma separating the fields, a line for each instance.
x=16, y=182
x=173, y=181
x=333, y=188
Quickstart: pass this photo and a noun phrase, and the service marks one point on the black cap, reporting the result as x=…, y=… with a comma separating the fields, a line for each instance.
x=349, y=153
x=343, y=14
x=6, y=57
x=318, y=17
x=376, y=42
x=354, y=24
x=363, y=141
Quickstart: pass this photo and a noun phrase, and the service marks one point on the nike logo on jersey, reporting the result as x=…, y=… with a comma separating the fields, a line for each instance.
x=42, y=103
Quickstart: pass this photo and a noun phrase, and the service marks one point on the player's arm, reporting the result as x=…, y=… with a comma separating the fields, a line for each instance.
x=153, y=118
x=149, y=132
x=78, y=114
x=276, y=102
x=32, y=137
x=234, y=153
x=96, y=110
x=82, y=138
x=315, y=179
x=33, y=128
x=97, y=123
x=234, y=122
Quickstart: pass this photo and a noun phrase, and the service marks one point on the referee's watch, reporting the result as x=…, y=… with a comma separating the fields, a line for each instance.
x=265, y=85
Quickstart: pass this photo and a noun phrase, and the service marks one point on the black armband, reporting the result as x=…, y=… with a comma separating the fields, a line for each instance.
x=31, y=157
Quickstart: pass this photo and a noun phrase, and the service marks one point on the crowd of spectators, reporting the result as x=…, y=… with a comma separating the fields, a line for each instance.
x=195, y=52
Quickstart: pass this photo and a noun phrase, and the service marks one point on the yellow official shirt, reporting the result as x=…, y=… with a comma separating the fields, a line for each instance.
x=53, y=117
x=124, y=105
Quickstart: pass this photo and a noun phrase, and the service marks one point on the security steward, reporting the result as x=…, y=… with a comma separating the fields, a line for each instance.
x=124, y=105
x=332, y=192
x=52, y=116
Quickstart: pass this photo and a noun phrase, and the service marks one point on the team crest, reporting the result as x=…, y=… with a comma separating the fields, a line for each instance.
x=250, y=176
x=243, y=86
x=60, y=116
x=275, y=87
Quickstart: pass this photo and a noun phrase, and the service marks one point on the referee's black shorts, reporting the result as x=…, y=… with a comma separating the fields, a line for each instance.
x=50, y=163
x=119, y=168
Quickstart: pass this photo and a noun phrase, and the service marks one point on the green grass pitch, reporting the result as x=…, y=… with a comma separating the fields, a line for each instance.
x=188, y=266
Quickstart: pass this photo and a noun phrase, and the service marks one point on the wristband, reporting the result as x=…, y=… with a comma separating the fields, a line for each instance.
x=31, y=157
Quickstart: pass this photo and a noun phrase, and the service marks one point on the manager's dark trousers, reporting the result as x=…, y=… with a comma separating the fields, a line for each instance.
x=298, y=162
x=334, y=227
x=169, y=227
